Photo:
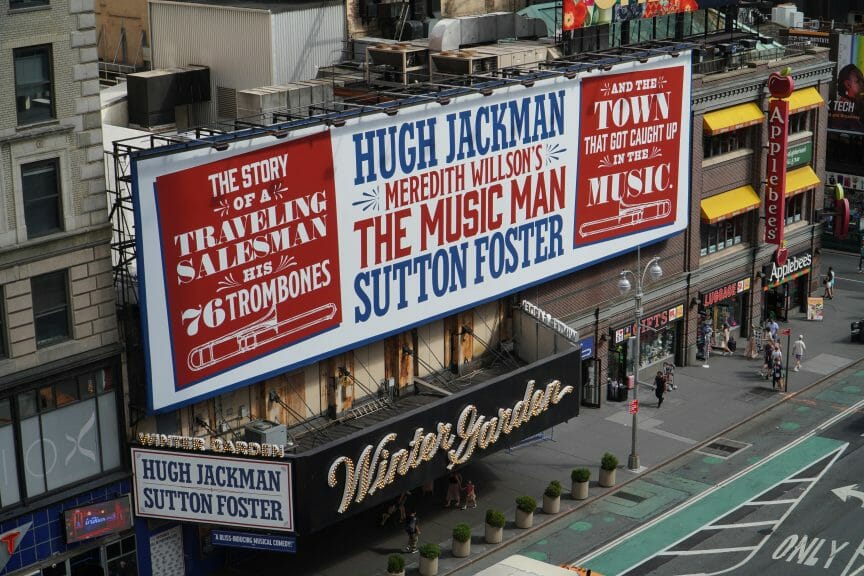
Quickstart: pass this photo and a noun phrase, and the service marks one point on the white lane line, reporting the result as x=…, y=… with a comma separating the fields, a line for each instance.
x=742, y=525
x=711, y=551
x=770, y=502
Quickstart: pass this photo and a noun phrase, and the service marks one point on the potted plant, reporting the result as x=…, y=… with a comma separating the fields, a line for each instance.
x=462, y=540
x=396, y=565
x=494, y=526
x=525, y=506
x=608, y=465
x=579, y=478
x=552, y=498
x=429, y=554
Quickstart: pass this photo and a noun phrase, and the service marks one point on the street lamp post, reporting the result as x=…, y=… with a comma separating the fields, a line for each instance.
x=653, y=270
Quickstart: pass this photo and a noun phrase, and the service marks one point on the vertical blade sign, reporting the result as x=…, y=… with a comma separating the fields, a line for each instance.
x=780, y=86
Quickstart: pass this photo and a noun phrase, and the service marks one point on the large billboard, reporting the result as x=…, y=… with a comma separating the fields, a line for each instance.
x=846, y=111
x=273, y=254
x=582, y=13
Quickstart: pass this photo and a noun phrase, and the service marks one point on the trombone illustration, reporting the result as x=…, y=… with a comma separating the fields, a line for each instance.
x=263, y=331
x=629, y=216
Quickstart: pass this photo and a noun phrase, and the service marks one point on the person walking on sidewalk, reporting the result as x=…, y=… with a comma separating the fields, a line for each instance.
x=659, y=387
x=723, y=341
x=470, y=495
x=798, y=349
x=454, y=489
x=773, y=329
x=829, y=284
x=412, y=528
x=777, y=375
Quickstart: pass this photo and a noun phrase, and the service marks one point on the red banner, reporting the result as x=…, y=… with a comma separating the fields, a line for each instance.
x=253, y=265
x=775, y=190
x=629, y=153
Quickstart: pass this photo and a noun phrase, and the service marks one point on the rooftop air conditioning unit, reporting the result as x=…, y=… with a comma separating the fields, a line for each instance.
x=748, y=43
x=266, y=432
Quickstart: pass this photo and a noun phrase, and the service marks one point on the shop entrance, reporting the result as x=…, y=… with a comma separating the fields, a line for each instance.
x=789, y=296
x=590, y=384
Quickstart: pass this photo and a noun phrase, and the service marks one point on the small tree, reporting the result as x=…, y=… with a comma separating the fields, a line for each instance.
x=495, y=518
x=526, y=504
x=609, y=462
x=553, y=490
x=395, y=563
x=462, y=532
x=430, y=550
x=580, y=475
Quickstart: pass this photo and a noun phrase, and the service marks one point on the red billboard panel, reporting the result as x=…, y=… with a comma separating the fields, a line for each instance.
x=775, y=188
x=629, y=160
x=252, y=264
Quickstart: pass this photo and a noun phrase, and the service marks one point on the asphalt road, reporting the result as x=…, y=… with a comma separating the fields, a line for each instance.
x=795, y=506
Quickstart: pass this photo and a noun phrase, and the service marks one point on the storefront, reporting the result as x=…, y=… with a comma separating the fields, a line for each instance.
x=659, y=342
x=786, y=286
x=591, y=366
x=186, y=512
x=725, y=305
x=88, y=535
x=853, y=190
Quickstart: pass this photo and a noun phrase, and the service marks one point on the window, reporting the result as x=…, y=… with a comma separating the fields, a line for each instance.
x=8, y=468
x=799, y=122
x=65, y=437
x=4, y=350
x=19, y=4
x=50, y=308
x=34, y=90
x=41, y=191
x=724, y=234
x=725, y=143
x=794, y=208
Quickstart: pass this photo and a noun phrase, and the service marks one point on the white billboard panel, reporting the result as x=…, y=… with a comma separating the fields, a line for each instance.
x=212, y=489
x=275, y=254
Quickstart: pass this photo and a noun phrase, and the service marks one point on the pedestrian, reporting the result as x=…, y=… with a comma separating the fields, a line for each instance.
x=659, y=387
x=403, y=499
x=861, y=255
x=798, y=349
x=777, y=353
x=723, y=341
x=412, y=528
x=454, y=489
x=777, y=375
x=773, y=329
x=470, y=495
x=768, y=353
x=829, y=284
x=707, y=337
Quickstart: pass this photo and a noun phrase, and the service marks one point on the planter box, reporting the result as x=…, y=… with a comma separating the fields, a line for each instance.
x=461, y=549
x=494, y=535
x=524, y=519
x=579, y=490
x=607, y=478
x=428, y=566
x=402, y=573
x=551, y=505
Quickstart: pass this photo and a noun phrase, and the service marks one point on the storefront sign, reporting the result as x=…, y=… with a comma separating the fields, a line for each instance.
x=98, y=519
x=550, y=321
x=197, y=444
x=815, y=308
x=793, y=266
x=780, y=86
x=225, y=491
x=9, y=542
x=587, y=347
x=378, y=466
x=799, y=154
x=724, y=292
x=272, y=542
x=652, y=322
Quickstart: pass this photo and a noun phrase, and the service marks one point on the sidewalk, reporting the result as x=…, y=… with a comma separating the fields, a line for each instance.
x=707, y=402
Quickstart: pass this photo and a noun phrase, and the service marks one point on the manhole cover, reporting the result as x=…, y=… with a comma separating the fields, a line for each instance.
x=722, y=448
x=629, y=496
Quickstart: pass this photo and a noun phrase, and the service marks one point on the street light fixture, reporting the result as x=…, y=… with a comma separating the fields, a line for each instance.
x=654, y=272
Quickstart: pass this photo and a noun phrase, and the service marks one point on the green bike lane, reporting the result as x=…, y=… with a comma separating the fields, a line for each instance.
x=668, y=505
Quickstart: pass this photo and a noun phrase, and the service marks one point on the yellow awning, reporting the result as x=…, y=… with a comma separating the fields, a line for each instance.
x=801, y=179
x=729, y=204
x=733, y=118
x=805, y=99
